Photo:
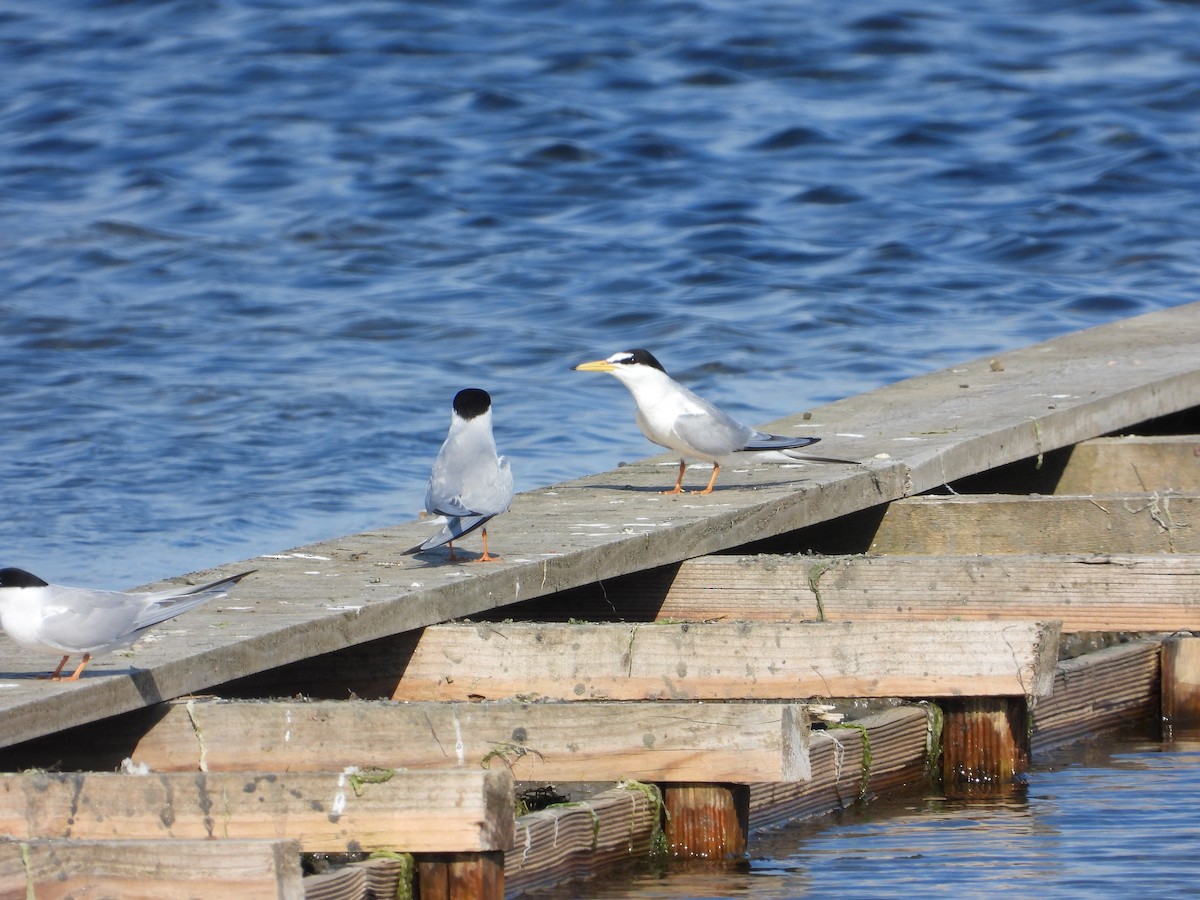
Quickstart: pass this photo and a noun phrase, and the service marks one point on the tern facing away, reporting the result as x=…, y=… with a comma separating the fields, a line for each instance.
x=469, y=484
x=70, y=620
x=673, y=417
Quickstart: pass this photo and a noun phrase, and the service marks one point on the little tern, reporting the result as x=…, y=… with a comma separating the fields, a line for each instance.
x=673, y=417
x=71, y=620
x=469, y=484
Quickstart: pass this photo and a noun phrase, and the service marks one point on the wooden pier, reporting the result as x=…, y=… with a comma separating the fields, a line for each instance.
x=1006, y=519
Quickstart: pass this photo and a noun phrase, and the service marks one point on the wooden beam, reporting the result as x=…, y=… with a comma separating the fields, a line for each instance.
x=454, y=876
x=1133, y=463
x=667, y=741
x=964, y=524
x=151, y=870
x=985, y=745
x=1098, y=692
x=1086, y=593
x=731, y=661
x=454, y=811
x=707, y=821
x=1180, y=683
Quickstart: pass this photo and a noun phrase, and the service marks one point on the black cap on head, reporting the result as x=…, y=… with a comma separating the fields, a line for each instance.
x=640, y=357
x=472, y=402
x=19, y=578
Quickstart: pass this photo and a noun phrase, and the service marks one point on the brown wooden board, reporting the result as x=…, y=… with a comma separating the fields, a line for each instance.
x=1133, y=463
x=999, y=524
x=719, y=661
x=535, y=741
x=150, y=870
x=1085, y=593
x=909, y=437
x=466, y=811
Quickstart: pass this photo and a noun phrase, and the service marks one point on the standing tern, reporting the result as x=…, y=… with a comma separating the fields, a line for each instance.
x=469, y=484
x=71, y=620
x=673, y=417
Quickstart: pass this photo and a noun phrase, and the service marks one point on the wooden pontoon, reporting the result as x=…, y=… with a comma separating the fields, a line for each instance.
x=672, y=644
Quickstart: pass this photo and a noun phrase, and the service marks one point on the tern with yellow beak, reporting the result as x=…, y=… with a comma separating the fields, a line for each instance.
x=673, y=417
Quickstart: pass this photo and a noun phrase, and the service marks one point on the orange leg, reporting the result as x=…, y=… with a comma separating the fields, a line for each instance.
x=74, y=676
x=57, y=673
x=485, y=557
x=678, y=489
x=711, y=481
x=450, y=544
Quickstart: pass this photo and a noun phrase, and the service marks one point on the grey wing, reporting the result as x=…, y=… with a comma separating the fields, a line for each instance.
x=712, y=433
x=491, y=492
x=82, y=621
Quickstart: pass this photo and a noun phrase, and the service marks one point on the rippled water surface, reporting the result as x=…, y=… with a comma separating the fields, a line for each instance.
x=249, y=249
x=1116, y=819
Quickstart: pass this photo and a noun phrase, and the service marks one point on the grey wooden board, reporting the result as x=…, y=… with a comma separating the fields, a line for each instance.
x=911, y=436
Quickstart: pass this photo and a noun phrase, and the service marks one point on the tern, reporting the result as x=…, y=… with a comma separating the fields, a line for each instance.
x=469, y=484
x=673, y=417
x=72, y=620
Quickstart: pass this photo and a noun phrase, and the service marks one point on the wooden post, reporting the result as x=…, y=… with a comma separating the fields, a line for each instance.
x=1180, y=684
x=461, y=876
x=985, y=745
x=707, y=821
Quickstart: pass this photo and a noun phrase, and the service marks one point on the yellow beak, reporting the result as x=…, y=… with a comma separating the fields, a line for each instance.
x=599, y=365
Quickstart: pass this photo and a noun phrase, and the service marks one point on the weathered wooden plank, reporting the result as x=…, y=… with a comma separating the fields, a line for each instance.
x=1180, y=682
x=731, y=661
x=1086, y=593
x=999, y=523
x=578, y=839
x=1097, y=692
x=454, y=811
x=150, y=870
x=1133, y=464
x=535, y=741
x=879, y=753
x=912, y=436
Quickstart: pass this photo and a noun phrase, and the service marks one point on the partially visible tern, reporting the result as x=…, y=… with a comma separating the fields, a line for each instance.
x=71, y=621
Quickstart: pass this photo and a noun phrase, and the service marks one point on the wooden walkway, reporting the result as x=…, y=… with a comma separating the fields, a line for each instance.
x=910, y=437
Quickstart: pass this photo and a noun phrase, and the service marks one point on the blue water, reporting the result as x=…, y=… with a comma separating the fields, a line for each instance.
x=249, y=249
x=1114, y=819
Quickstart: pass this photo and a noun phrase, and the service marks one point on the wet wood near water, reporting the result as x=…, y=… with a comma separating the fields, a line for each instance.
x=911, y=437
x=150, y=870
x=882, y=752
x=985, y=744
x=1098, y=692
x=707, y=821
x=468, y=811
x=651, y=742
x=1180, y=683
x=1084, y=592
x=578, y=838
x=730, y=661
